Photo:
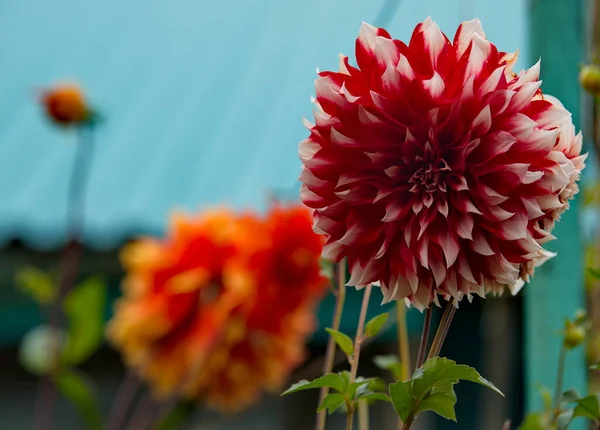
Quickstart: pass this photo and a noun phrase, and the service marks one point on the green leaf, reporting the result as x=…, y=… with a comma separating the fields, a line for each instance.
x=177, y=416
x=343, y=341
x=375, y=324
x=595, y=366
x=391, y=363
x=594, y=273
x=534, y=422
x=546, y=396
x=442, y=370
x=331, y=380
x=446, y=388
x=588, y=407
x=440, y=403
x=326, y=268
x=332, y=402
x=402, y=398
x=370, y=395
x=356, y=386
x=84, y=307
x=79, y=390
x=36, y=283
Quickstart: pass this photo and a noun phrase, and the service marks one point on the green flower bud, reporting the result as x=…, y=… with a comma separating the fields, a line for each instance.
x=589, y=78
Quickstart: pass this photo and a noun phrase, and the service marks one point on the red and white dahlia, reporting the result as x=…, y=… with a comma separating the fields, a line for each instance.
x=434, y=168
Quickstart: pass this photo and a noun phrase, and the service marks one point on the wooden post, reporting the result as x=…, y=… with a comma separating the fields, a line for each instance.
x=557, y=34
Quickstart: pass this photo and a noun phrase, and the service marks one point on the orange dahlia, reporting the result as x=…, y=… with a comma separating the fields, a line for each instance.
x=66, y=105
x=221, y=308
x=434, y=168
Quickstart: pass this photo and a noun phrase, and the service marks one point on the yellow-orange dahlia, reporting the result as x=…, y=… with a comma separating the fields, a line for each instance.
x=221, y=308
x=434, y=168
x=66, y=105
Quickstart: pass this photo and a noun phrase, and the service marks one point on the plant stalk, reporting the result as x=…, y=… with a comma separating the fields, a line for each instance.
x=424, y=337
x=363, y=415
x=442, y=331
x=340, y=298
x=122, y=402
x=403, y=343
x=68, y=267
x=360, y=335
x=560, y=375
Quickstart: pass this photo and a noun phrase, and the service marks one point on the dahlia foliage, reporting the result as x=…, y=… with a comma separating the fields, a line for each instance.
x=434, y=168
x=220, y=309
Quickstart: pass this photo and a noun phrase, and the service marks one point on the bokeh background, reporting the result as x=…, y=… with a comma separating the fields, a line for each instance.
x=202, y=104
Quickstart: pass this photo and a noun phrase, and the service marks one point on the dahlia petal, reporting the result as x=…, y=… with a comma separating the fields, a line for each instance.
x=491, y=83
x=424, y=253
x=524, y=95
x=449, y=244
x=442, y=207
x=547, y=115
x=405, y=69
x=464, y=227
x=464, y=269
x=530, y=75
x=500, y=100
x=490, y=196
x=464, y=35
x=531, y=177
x=496, y=213
x=483, y=121
x=514, y=228
x=480, y=245
x=308, y=148
x=395, y=211
x=434, y=86
x=533, y=208
x=549, y=202
x=516, y=287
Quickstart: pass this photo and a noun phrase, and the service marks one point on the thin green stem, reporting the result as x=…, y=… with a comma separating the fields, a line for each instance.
x=403, y=343
x=560, y=375
x=123, y=401
x=363, y=415
x=340, y=298
x=360, y=335
x=442, y=331
x=69, y=265
x=424, y=337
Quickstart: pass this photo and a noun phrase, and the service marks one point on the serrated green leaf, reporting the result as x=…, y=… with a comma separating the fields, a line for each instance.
x=446, y=388
x=564, y=419
x=84, y=307
x=79, y=390
x=588, y=407
x=331, y=380
x=342, y=340
x=371, y=396
x=356, y=386
x=391, y=363
x=442, y=370
x=375, y=324
x=332, y=402
x=36, y=283
x=440, y=403
x=402, y=398
x=177, y=416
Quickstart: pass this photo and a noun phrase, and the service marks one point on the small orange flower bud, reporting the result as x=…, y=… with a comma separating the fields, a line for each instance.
x=589, y=77
x=65, y=105
x=574, y=335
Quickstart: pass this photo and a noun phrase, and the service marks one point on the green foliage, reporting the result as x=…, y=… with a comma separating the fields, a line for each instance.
x=375, y=324
x=177, y=416
x=431, y=389
x=332, y=402
x=326, y=268
x=594, y=273
x=588, y=407
x=78, y=389
x=350, y=392
x=36, y=283
x=391, y=363
x=536, y=421
x=84, y=307
x=342, y=340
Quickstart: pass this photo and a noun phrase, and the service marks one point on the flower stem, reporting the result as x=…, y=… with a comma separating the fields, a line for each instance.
x=442, y=331
x=68, y=267
x=560, y=375
x=363, y=415
x=357, y=344
x=403, y=344
x=340, y=298
x=424, y=337
x=122, y=402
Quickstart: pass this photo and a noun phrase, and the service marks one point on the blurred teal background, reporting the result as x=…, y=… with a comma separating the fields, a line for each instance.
x=203, y=104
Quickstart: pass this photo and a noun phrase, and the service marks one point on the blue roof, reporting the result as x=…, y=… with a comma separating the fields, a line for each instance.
x=203, y=100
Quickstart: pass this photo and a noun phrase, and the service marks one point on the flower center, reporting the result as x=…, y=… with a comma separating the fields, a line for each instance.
x=430, y=177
